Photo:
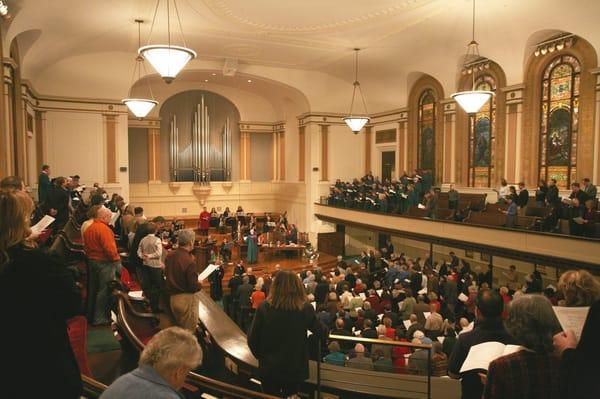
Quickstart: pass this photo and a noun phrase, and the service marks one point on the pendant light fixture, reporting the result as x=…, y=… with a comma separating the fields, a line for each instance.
x=140, y=107
x=472, y=100
x=356, y=122
x=168, y=60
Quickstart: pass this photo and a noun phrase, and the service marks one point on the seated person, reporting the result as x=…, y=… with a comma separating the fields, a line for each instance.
x=163, y=367
x=360, y=361
x=335, y=356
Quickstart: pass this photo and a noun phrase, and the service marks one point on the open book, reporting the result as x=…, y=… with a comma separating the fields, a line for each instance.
x=42, y=224
x=480, y=356
x=571, y=318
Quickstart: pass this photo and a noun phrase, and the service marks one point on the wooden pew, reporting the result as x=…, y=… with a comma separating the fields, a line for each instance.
x=486, y=219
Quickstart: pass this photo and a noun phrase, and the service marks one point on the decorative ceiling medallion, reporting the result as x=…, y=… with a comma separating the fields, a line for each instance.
x=235, y=13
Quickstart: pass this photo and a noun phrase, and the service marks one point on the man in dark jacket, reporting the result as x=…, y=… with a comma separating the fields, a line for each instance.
x=523, y=196
x=552, y=197
x=44, y=184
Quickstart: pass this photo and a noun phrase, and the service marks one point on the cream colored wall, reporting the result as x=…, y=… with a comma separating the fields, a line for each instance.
x=346, y=153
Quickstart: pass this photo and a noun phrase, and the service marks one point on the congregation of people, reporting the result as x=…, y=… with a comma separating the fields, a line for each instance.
x=417, y=190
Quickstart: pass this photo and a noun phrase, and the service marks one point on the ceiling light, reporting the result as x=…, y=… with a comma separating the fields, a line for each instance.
x=206, y=80
x=356, y=122
x=168, y=60
x=472, y=100
x=249, y=80
x=560, y=45
x=3, y=8
x=213, y=74
x=140, y=107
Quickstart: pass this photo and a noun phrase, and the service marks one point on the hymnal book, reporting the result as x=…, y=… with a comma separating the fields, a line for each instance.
x=441, y=339
x=207, y=272
x=379, y=292
x=406, y=324
x=426, y=314
x=480, y=356
x=314, y=305
x=362, y=295
x=421, y=206
x=356, y=261
x=42, y=224
x=114, y=217
x=463, y=298
x=422, y=291
x=571, y=318
x=579, y=220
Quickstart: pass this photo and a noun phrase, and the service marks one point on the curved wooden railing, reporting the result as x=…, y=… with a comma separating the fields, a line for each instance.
x=91, y=388
x=125, y=308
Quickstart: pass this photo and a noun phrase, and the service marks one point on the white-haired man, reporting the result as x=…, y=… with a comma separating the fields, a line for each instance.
x=163, y=366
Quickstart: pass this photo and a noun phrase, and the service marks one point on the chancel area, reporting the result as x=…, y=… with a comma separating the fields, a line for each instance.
x=300, y=199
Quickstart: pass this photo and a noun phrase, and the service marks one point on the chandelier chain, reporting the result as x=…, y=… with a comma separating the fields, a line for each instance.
x=179, y=21
x=153, y=21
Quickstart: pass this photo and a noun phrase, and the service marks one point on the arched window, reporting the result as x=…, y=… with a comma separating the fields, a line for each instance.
x=426, y=131
x=559, y=121
x=482, y=131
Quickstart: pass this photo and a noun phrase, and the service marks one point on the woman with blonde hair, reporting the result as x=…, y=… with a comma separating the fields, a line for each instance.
x=578, y=288
x=277, y=336
x=37, y=320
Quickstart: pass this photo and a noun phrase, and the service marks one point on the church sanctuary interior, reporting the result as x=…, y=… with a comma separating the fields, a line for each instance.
x=263, y=199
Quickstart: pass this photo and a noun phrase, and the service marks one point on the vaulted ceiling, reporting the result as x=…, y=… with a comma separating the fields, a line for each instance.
x=86, y=48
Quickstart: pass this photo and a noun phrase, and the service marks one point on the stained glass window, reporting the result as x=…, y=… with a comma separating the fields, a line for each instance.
x=482, y=129
x=559, y=121
x=426, y=131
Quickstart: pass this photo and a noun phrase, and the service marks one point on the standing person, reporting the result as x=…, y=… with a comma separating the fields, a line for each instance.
x=552, y=195
x=204, y=222
x=29, y=334
x=44, y=184
x=590, y=189
x=57, y=203
x=503, y=191
x=101, y=250
x=453, y=198
x=540, y=194
x=252, y=241
x=216, y=282
x=511, y=212
x=488, y=327
x=277, y=336
x=182, y=281
x=523, y=196
x=150, y=252
x=532, y=372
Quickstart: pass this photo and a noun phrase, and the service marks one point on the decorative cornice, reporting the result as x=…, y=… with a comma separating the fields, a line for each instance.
x=261, y=127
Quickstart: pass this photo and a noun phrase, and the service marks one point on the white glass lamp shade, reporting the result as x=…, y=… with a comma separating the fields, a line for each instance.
x=472, y=101
x=140, y=107
x=356, y=123
x=168, y=61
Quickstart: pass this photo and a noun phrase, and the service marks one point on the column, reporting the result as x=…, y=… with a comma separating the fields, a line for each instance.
x=324, y=152
x=302, y=152
x=40, y=153
x=110, y=123
x=282, y=155
x=449, y=161
x=402, y=145
x=513, y=166
x=368, y=141
x=245, y=156
x=153, y=155
x=275, y=150
x=596, y=163
x=5, y=142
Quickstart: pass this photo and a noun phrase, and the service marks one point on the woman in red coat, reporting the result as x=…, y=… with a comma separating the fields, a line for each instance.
x=204, y=222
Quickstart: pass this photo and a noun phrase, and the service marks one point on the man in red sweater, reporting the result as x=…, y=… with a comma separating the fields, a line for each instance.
x=103, y=260
x=204, y=222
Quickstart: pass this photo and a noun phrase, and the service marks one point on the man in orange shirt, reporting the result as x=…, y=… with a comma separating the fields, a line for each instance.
x=103, y=259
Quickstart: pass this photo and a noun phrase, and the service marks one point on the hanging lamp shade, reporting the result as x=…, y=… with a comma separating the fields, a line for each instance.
x=472, y=101
x=167, y=60
x=356, y=123
x=140, y=107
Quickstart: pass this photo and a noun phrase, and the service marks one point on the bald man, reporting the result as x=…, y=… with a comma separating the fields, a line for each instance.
x=101, y=250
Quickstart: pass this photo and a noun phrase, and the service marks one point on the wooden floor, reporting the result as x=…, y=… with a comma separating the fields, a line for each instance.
x=266, y=266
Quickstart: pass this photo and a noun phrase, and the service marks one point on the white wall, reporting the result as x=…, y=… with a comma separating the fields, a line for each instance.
x=346, y=153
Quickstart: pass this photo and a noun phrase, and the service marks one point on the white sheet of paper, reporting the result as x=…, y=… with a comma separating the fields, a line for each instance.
x=356, y=261
x=379, y=292
x=426, y=314
x=113, y=219
x=571, y=318
x=42, y=224
x=380, y=316
x=136, y=294
x=480, y=356
x=357, y=333
x=422, y=291
x=207, y=272
x=421, y=206
x=406, y=323
x=314, y=305
x=441, y=339
x=362, y=295
x=463, y=298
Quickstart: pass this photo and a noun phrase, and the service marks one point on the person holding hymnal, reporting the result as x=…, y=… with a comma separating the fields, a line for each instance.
x=531, y=371
x=488, y=328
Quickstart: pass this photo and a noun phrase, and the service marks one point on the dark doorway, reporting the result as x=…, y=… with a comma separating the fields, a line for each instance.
x=388, y=164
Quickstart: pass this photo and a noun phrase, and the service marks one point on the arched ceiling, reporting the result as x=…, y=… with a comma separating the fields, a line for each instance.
x=86, y=48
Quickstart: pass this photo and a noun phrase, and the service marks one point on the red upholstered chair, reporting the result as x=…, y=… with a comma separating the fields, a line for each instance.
x=128, y=281
x=77, y=329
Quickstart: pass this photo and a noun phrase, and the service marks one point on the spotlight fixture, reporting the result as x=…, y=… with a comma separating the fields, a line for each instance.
x=168, y=60
x=557, y=43
x=356, y=122
x=139, y=106
x=3, y=8
x=472, y=100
